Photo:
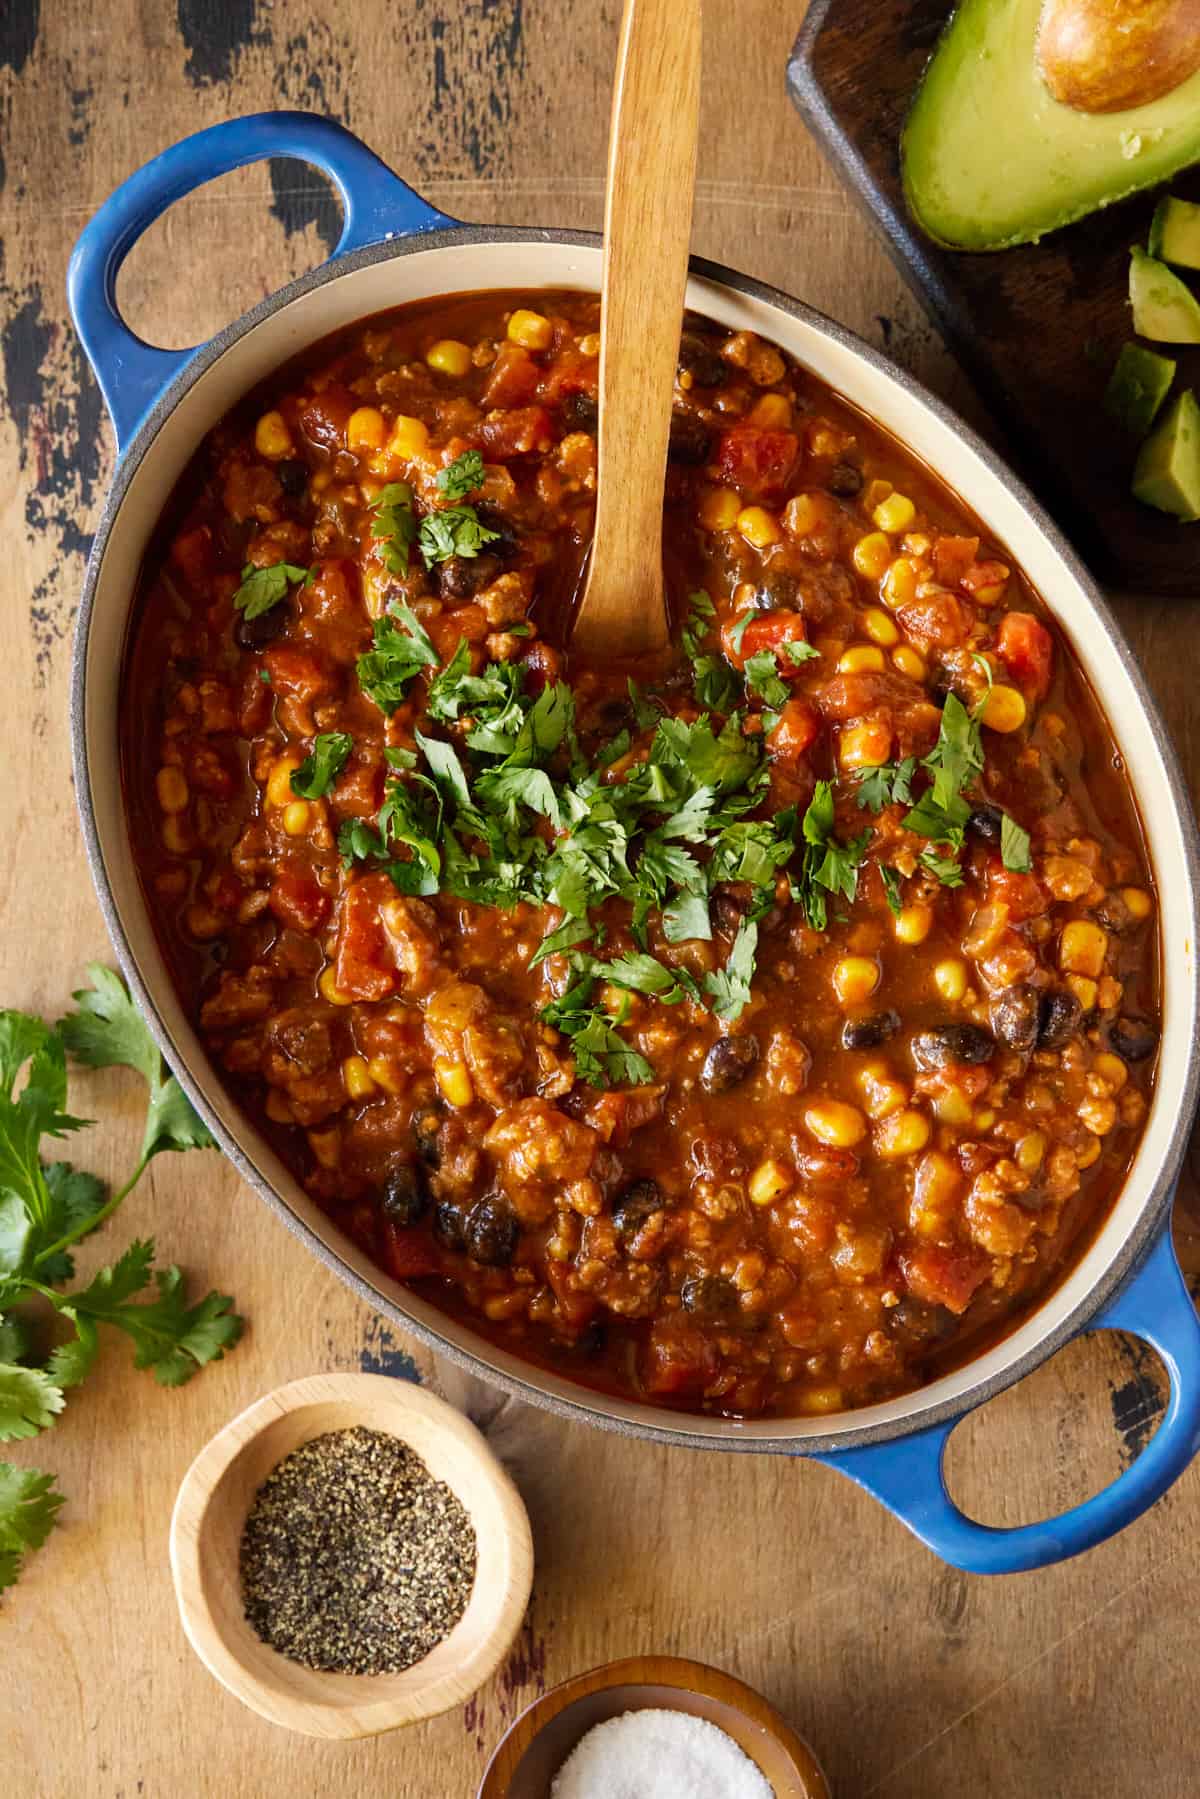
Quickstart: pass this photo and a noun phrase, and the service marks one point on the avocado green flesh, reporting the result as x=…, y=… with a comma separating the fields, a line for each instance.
x=1164, y=309
x=990, y=158
x=1137, y=387
x=1175, y=233
x=1167, y=473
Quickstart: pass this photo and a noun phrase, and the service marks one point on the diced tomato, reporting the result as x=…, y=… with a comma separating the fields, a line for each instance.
x=1027, y=649
x=768, y=632
x=544, y=666
x=986, y=580
x=798, y=729
x=577, y=1308
x=518, y=433
x=297, y=901
x=678, y=1358
x=254, y=703
x=449, y=629
x=945, y=1276
x=358, y=792
x=296, y=672
x=323, y=418
x=854, y=695
x=569, y=373
x=952, y=557
x=1023, y=894
x=935, y=621
x=191, y=554
x=760, y=464
x=615, y=1115
x=366, y=965
x=513, y=379
x=408, y=1252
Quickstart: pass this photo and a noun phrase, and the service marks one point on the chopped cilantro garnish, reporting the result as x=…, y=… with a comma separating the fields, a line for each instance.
x=701, y=613
x=1015, y=846
x=762, y=678
x=455, y=531
x=797, y=650
x=395, y=524
x=401, y=651
x=730, y=986
x=829, y=866
x=323, y=764
x=739, y=629
x=263, y=588
x=602, y=1056
x=946, y=868
x=462, y=476
x=890, y=783
x=891, y=889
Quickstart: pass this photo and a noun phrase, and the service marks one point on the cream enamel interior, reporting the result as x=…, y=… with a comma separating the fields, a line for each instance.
x=540, y=263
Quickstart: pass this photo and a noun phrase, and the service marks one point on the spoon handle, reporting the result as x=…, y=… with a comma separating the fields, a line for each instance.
x=647, y=232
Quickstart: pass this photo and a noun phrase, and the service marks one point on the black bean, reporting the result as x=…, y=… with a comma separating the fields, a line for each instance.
x=1133, y=1039
x=869, y=1033
x=256, y=633
x=1059, y=1017
x=449, y=1226
x=1114, y=914
x=507, y=540
x=292, y=477
x=631, y=1208
x=777, y=592
x=580, y=412
x=405, y=1196
x=845, y=479
x=727, y=910
x=953, y=1043
x=690, y=439
x=985, y=822
x=698, y=359
x=425, y=1128
x=710, y=1295
x=461, y=577
x=919, y=1322
x=491, y=1232
x=1014, y=1016
x=728, y=1063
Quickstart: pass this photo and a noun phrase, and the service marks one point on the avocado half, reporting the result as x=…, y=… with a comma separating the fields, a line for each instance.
x=990, y=158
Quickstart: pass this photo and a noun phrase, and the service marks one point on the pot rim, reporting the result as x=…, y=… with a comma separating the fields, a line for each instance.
x=592, y=1407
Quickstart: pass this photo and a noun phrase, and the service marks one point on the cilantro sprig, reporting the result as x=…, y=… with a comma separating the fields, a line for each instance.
x=461, y=477
x=402, y=648
x=323, y=764
x=48, y=1208
x=263, y=588
x=394, y=525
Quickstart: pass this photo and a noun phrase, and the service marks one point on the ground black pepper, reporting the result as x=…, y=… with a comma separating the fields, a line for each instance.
x=354, y=1559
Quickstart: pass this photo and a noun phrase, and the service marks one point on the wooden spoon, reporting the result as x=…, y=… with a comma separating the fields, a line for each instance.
x=647, y=231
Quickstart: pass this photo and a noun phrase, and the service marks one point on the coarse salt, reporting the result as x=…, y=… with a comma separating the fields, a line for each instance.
x=659, y=1755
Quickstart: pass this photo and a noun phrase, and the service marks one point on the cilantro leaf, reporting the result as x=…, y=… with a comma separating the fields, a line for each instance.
x=762, y=678
x=29, y=1402
x=454, y=531
x=462, y=476
x=446, y=769
x=169, y=1336
x=263, y=588
x=957, y=757
x=641, y=973
x=394, y=525
x=798, y=650
x=714, y=683
x=739, y=629
x=730, y=986
x=36, y=1113
x=891, y=889
x=947, y=868
x=401, y=650
x=601, y=1054
x=828, y=865
x=569, y=933
x=1015, y=849
x=29, y=1507
x=323, y=764
x=685, y=919
x=887, y=783
x=646, y=713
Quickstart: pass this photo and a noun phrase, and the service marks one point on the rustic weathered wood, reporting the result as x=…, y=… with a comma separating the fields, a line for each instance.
x=540, y=1742
x=647, y=233
x=910, y=1680
x=210, y=1514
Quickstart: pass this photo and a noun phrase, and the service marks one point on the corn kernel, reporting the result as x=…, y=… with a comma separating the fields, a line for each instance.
x=1089, y=1154
x=773, y=412
x=913, y=924
x=903, y=1134
x=900, y=583
x=983, y=1120
x=876, y=492
x=855, y=978
x=872, y=555
x=820, y=1400
x=832, y=1122
x=866, y=744
x=279, y=781
x=879, y=627
x=863, y=658
x=278, y=1109
x=1004, y=708
x=953, y=1107
x=1138, y=903
x=328, y=988
x=1111, y=1069
x=170, y=784
x=802, y=515
x=758, y=526
x=409, y=440
x=1029, y=1152
x=1097, y=1115
x=530, y=329
x=719, y=509
x=449, y=357
x=769, y=1180
x=359, y=1084
x=272, y=438
x=1085, y=991
x=883, y=1094
x=454, y=1081
x=387, y=1073
x=950, y=979
x=894, y=514
x=176, y=834
x=326, y=1147
x=908, y=662
x=295, y=818
x=1082, y=948
x=366, y=429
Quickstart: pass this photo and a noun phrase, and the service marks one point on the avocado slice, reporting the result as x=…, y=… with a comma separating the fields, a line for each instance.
x=1167, y=472
x=1137, y=387
x=1175, y=233
x=1164, y=308
x=990, y=158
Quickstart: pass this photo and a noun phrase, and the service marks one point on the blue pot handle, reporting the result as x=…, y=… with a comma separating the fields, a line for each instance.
x=376, y=205
x=906, y=1475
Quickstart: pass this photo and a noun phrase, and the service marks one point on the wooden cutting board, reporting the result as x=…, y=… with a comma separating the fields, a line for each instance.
x=1037, y=328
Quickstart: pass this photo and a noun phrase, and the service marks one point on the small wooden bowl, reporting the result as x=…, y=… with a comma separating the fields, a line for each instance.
x=206, y=1529
x=542, y=1738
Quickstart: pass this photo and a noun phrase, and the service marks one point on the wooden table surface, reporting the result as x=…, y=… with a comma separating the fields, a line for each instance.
x=909, y=1678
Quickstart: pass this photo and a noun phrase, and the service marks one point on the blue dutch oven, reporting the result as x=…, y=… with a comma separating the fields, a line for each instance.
x=395, y=248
